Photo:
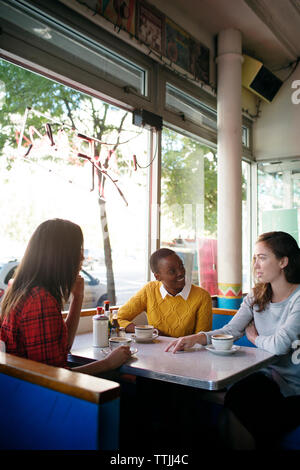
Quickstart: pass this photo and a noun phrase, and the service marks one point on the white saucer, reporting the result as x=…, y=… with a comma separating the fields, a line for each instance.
x=223, y=352
x=144, y=340
x=107, y=351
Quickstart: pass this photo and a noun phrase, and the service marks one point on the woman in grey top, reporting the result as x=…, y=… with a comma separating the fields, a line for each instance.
x=267, y=403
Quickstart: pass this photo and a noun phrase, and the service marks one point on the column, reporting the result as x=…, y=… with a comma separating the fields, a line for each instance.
x=229, y=62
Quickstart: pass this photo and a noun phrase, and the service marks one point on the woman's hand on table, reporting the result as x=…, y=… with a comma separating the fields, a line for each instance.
x=113, y=360
x=186, y=342
x=117, y=357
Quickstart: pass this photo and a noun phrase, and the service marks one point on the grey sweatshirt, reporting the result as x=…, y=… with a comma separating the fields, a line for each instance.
x=278, y=327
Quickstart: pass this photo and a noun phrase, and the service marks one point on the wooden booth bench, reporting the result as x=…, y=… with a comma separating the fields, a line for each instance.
x=50, y=408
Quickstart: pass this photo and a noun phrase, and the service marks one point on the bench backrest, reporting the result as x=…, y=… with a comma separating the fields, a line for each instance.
x=223, y=316
x=44, y=407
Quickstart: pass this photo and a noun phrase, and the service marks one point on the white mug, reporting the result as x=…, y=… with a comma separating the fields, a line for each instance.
x=146, y=332
x=222, y=341
x=117, y=341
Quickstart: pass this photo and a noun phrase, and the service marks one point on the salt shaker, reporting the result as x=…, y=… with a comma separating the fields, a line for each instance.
x=100, y=331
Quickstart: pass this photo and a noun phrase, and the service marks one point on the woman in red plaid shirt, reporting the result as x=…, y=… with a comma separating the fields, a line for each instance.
x=31, y=324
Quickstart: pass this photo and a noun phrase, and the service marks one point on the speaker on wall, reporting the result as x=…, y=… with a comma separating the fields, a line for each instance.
x=259, y=80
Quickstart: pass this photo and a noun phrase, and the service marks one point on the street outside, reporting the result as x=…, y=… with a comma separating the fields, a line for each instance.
x=128, y=279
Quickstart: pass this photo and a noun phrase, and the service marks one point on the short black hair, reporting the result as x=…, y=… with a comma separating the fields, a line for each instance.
x=157, y=256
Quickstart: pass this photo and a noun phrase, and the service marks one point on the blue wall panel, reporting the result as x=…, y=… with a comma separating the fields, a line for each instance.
x=109, y=419
x=35, y=417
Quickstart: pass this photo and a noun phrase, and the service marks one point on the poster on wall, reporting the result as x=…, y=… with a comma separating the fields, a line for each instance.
x=120, y=12
x=150, y=27
x=177, y=45
x=158, y=32
x=199, y=61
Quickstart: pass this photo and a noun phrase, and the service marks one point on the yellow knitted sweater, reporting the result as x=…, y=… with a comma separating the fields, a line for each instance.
x=173, y=316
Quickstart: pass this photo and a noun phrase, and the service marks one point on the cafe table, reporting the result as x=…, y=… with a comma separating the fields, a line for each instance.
x=196, y=367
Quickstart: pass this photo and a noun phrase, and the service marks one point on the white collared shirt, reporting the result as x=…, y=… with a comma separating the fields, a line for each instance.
x=184, y=293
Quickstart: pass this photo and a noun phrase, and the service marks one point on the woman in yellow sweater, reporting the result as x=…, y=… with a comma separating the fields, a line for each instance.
x=173, y=306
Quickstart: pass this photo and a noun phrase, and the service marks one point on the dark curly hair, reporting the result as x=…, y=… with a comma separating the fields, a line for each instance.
x=157, y=256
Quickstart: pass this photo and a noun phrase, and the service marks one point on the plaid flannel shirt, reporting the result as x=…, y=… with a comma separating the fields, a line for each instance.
x=36, y=330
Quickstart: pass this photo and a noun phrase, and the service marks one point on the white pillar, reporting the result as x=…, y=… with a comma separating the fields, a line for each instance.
x=229, y=168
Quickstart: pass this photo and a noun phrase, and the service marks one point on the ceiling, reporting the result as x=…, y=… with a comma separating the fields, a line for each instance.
x=270, y=28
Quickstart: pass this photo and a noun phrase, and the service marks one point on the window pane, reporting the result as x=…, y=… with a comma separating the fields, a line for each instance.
x=278, y=197
x=190, y=107
x=77, y=48
x=47, y=178
x=245, y=136
x=189, y=206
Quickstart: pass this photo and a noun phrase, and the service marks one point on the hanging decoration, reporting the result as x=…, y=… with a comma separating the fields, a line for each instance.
x=67, y=141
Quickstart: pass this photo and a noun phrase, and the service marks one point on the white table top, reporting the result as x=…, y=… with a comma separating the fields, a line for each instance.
x=196, y=367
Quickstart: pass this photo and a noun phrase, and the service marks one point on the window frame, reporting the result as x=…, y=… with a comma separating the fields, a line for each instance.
x=24, y=51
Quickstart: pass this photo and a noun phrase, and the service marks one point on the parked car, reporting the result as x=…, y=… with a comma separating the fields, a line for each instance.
x=95, y=292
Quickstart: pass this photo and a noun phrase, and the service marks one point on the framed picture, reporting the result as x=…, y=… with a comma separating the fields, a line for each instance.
x=199, y=61
x=150, y=26
x=177, y=45
x=120, y=12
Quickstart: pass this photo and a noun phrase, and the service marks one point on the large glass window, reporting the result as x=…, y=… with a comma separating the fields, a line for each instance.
x=189, y=206
x=278, y=196
x=49, y=136
x=75, y=47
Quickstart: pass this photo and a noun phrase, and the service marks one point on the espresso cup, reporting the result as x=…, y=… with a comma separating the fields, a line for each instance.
x=222, y=341
x=145, y=332
x=117, y=341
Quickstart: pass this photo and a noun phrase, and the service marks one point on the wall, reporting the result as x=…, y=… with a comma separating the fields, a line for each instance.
x=249, y=102
x=276, y=133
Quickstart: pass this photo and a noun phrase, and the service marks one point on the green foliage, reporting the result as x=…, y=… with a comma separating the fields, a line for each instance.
x=183, y=163
x=26, y=89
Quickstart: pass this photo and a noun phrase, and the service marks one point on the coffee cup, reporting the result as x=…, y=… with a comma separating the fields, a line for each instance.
x=222, y=341
x=145, y=332
x=117, y=341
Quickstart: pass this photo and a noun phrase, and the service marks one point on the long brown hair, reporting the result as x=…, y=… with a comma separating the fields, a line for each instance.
x=281, y=244
x=51, y=260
